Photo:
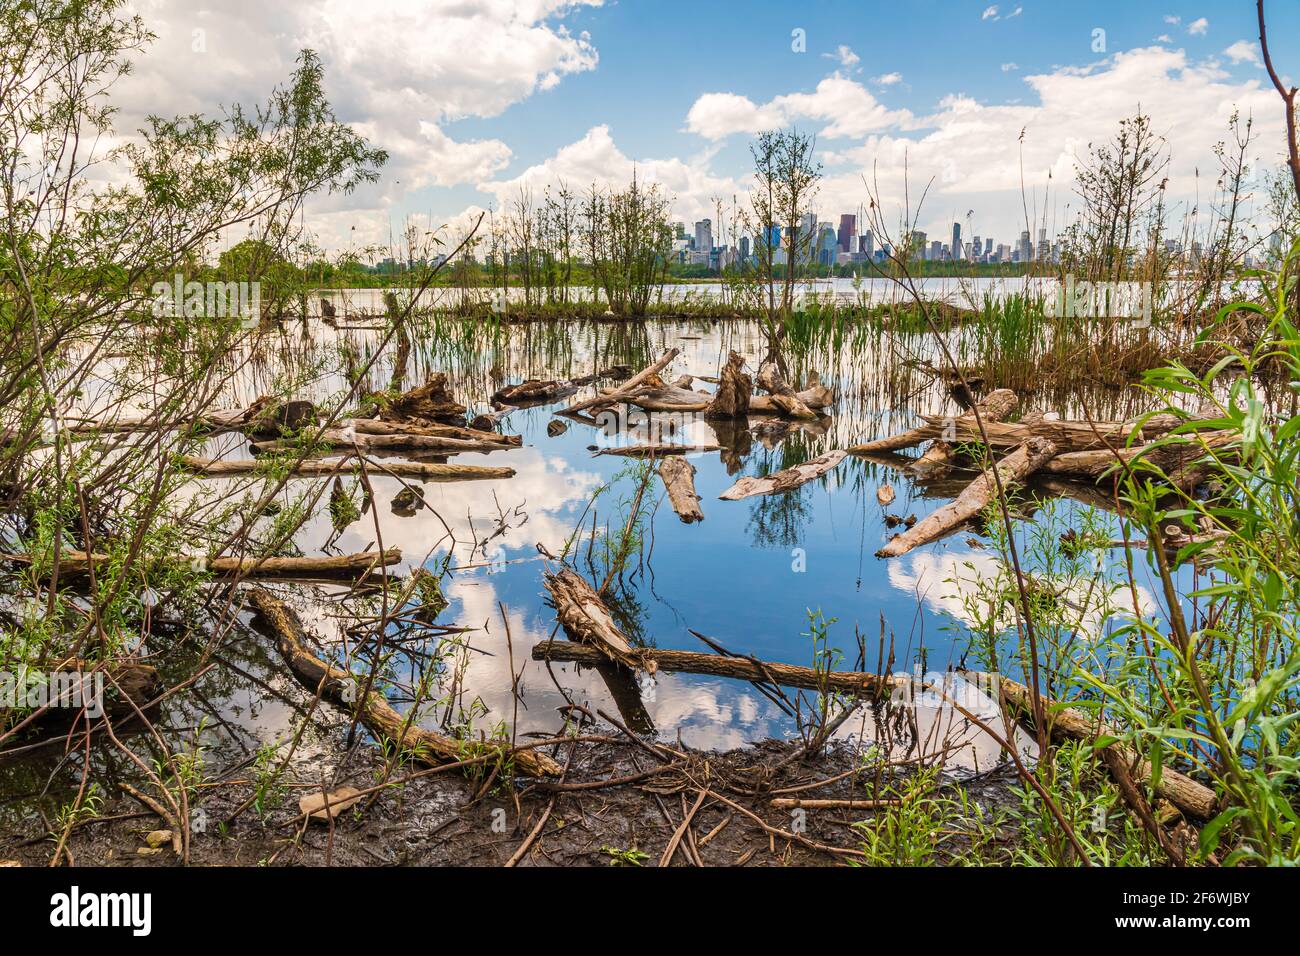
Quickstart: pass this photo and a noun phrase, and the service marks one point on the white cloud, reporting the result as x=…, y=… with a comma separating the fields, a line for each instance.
x=889, y=79
x=848, y=59
x=991, y=13
x=597, y=159
x=1198, y=27
x=1244, y=51
x=1164, y=38
x=1173, y=20
x=399, y=75
x=848, y=107
x=1008, y=67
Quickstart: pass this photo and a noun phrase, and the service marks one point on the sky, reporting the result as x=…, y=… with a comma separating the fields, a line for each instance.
x=987, y=107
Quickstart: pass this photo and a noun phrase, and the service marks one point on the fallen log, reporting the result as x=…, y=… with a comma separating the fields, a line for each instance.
x=372, y=709
x=1188, y=795
x=678, y=476
x=1022, y=462
x=533, y=391
x=345, y=441
x=1168, y=454
x=780, y=394
x=997, y=405
x=587, y=620
x=430, y=402
x=994, y=408
x=309, y=468
x=627, y=387
x=656, y=450
x=786, y=480
x=1064, y=723
x=859, y=683
x=343, y=565
x=373, y=426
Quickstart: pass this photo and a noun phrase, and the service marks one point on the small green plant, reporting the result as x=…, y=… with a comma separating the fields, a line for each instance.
x=630, y=857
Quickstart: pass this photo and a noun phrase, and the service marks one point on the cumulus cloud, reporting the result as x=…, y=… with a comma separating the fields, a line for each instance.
x=595, y=158
x=400, y=75
x=1244, y=51
x=1198, y=27
x=848, y=59
x=847, y=107
x=889, y=79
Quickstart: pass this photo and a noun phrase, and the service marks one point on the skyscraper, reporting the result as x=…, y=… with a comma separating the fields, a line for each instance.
x=1026, y=247
x=848, y=229
x=704, y=235
x=867, y=243
x=955, y=249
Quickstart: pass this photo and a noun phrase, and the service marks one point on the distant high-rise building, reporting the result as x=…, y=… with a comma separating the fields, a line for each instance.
x=1026, y=249
x=936, y=250
x=848, y=229
x=704, y=235
x=955, y=249
x=975, y=247
x=918, y=245
x=1044, y=247
x=988, y=247
x=867, y=243
x=744, y=248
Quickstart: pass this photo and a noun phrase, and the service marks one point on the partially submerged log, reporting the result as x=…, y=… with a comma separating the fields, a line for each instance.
x=1168, y=454
x=627, y=387
x=309, y=468
x=430, y=402
x=1188, y=795
x=678, y=476
x=1191, y=797
x=732, y=396
x=996, y=406
x=348, y=441
x=859, y=683
x=343, y=565
x=657, y=450
x=373, y=710
x=271, y=418
x=786, y=480
x=373, y=426
x=1022, y=462
x=533, y=391
x=587, y=620
x=781, y=395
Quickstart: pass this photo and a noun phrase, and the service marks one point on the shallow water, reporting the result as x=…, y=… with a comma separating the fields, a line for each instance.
x=749, y=576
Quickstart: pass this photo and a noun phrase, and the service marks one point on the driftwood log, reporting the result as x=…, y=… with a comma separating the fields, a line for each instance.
x=373, y=710
x=430, y=402
x=781, y=395
x=373, y=426
x=1022, y=462
x=343, y=565
x=732, y=395
x=308, y=468
x=587, y=620
x=1188, y=795
x=658, y=450
x=346, y=441
x=678, y=476
x=996, y=406
x=617, y=395
x=786, y=480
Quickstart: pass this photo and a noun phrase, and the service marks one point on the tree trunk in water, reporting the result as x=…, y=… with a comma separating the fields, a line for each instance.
x=1024, y=461
x=678, y=476
x=731, y=400
x=374, y=712
x=786, y=480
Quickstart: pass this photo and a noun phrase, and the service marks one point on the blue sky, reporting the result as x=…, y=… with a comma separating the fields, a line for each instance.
x=478, y=98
